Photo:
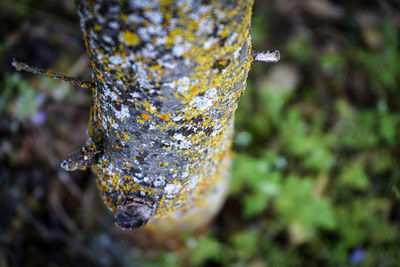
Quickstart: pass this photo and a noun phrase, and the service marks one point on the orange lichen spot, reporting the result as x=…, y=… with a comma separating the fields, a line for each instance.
x=165, y=117
x=223, y=62
x=251, y=58
x=145, y=116
x=165, y=25
x=49, y=73
x=117, y=147
x=100, y=78
x=193, y=89
x=130, y=38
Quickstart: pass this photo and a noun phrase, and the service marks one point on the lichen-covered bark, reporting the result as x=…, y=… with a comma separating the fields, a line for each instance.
x=168, y=76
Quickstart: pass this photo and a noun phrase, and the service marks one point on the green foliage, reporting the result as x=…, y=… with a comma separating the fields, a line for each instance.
x=207, y=248
x=274, y=100
x=21, y=8
x=259, y=28
x=368, y=128
x=166, y=259
x=296, y=204
x=18, y=98
x=313, y=147
x=245, y=243
x=354, y=176
x=300, y=49
x=251, y=173
x=384, y=65
x=331, y=61
x=361, y=221
x=329, y=190
x=387, y=124
x=357, y=131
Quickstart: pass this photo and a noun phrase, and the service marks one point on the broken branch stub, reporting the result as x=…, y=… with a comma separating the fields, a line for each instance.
x=82, y=158
x=267, y=56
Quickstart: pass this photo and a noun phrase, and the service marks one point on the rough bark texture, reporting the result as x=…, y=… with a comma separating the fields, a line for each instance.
x=167, y=79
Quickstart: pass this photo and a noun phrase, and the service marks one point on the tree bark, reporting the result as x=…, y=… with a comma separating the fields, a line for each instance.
x=168, y=76
x=166, y=80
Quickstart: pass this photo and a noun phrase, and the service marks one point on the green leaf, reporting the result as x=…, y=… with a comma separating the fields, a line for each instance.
x=247, y=171
x=300, y=49
x=245, y=244
x=254, y=203
x=296, y=205
x=207, y=248
x=357, y=131
x=387, y=127
x=331, y=61
x=354, y=176
x=319, y=159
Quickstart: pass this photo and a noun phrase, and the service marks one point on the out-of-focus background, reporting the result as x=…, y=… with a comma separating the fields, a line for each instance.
x=316, y=179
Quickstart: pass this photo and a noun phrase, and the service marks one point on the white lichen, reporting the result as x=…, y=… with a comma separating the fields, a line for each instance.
x=172, y=189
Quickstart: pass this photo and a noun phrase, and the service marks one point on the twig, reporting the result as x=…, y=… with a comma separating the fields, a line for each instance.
x=48, y=73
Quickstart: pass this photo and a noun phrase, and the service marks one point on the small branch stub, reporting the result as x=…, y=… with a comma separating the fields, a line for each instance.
x=266, y=56
x=82, y=158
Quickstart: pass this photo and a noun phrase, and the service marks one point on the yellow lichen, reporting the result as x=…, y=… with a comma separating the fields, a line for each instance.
x=130, y=38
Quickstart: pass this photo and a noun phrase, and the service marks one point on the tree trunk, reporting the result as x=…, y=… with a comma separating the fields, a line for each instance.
x=167, y=79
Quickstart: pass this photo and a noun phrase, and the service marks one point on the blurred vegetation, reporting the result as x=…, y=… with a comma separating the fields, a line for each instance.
x=316, y=179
